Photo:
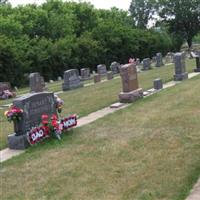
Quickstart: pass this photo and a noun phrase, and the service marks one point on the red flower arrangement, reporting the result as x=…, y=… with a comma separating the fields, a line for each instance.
x=53, y=125
x=14, y=113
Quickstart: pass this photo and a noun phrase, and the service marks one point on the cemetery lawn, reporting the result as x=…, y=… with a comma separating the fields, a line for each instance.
x=89, y=99
x=148, y=151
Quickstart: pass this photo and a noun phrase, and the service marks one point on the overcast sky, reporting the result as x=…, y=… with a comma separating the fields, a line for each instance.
x=122, y=4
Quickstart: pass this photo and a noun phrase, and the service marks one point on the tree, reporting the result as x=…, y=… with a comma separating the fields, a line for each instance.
x=142, y=11
x=182, y=16
x=3, y=1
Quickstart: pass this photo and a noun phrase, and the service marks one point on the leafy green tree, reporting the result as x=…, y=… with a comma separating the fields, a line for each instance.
x=182, y=16
x=142, y=11
x=3, y=1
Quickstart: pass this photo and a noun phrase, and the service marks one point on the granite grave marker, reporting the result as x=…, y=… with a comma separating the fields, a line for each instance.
x=34, y=106
x=71, y=80
x=130, y=89
x=159, y=61
x=180, y=71
x=146, y=64
x=85, y=74
x=36, y=82
x=115, y=67
x=101, y=69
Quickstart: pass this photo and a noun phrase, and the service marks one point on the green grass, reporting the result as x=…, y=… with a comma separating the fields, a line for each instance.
x=89, y=99
x=148, y=151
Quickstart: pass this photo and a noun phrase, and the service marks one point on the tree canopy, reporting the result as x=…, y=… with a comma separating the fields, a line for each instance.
x=57, y=36
x=182, y=16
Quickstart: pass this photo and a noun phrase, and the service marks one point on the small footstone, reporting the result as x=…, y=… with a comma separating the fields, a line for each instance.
x=116, y=105
x=158, y=85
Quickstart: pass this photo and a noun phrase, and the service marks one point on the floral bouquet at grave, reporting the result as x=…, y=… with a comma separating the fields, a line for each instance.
x=59, y=103
x=14, y=114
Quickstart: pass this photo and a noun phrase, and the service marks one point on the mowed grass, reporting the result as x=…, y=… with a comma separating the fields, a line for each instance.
x=85, y=100
x=148, y=151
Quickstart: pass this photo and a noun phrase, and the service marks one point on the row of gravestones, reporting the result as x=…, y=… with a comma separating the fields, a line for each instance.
x=158, y=60
x=72, y=79
x=37, y=103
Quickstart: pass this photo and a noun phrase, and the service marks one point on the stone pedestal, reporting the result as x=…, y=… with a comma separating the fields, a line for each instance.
x=17, y=142
x=129, y=97
x=97, y=78
x=197, y=70
x=181, y=77
x=158, y=85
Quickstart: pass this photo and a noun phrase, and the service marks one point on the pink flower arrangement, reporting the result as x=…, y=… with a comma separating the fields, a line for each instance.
x=14, y=113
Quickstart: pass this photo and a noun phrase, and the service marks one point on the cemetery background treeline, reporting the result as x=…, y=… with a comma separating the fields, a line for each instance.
x=57, y=36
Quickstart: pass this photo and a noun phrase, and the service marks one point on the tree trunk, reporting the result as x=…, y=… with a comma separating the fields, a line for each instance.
x=189, y=41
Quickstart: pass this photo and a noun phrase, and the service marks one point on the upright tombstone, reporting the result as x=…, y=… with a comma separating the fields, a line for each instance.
x=159, y=61
x=59, y=78
x=130, y=89
x=36, y=82
x=115, y=67
x=101, y=69
x=168, y=58
x=85, y=74
x=109, y=75
x=97, y=78
x=197, y=64
x=180, y=72
x=34, y=105
x=146, y=64
x=71, y=80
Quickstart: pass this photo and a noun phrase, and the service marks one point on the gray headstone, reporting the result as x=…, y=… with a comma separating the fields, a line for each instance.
x=109, y=75
x=159, y=61
x=146, y=64
x=168, y=58
x=4, y=86
x=71, y=80
x=115, y=67
x=97, y=78
x=85, y=73
x=34, y=106
x=59, y=78
x=101, y=69
x=197, y=64
x=180, y=71
x=36, y=82
x=158, y=84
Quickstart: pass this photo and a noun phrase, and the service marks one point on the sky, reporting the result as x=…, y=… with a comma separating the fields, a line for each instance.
x=106, y=4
